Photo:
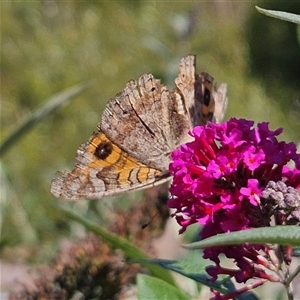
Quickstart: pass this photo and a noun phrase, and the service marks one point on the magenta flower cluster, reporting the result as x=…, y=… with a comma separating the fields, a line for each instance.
x=218, y=180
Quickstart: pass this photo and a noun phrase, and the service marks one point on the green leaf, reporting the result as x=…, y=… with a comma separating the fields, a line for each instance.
x=154, y=288
x=46, y=109
x=194, y=271
x=193, y=267
x=280, y=15
x=283, y=235
x=128, y=248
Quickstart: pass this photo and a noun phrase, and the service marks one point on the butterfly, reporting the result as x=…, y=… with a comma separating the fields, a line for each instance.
x=139, y=129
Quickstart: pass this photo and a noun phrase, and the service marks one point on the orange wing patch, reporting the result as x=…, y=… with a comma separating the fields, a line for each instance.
x=102, y=169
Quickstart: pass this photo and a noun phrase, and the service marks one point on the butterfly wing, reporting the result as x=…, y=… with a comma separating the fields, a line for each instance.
x=202, y=99
x=221, y=102
x=102, y=169
x=144, y=121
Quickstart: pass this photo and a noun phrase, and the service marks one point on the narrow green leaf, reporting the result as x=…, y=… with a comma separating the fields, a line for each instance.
x=154, y=288
x=280, y=15
x=46, y=109
x=283, y=235
x=128, y=248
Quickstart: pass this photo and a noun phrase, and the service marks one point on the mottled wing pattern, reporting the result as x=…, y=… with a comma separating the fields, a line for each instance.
x=203, y=100
x=141, y=120
x=102, y=169
x=139, y=128
x=221, y=102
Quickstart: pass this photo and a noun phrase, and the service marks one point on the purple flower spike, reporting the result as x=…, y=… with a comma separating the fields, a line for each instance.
x=220, y=180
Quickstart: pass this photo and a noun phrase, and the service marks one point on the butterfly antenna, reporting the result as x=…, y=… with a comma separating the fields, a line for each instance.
x=148, y=223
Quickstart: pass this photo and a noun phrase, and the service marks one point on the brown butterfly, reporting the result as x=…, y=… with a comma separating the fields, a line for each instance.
x=139, y=129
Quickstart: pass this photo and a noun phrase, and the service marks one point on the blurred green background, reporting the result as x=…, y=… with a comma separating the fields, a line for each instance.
x=48, y=46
